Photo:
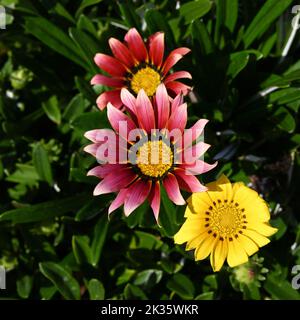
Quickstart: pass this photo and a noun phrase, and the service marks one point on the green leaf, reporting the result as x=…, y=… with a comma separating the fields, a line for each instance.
x=89, y=210
x=284, y=120
x=280, y=290
x=193, y=10
x=86, y=3
x=75, y=107
x=167, y=216
x=24, y=286
x=55, y=38
x=205, y=296
x=90, y=120
x=148, y=278
x=25, y=174
x=87, y=45
x=129, y=14
x=238, y=61
x=43, y=211
x=96, y=290
x=269, y=12
x=156, y=22
x=62, y=279
x=86, y=90
x=201, y=35
x=100, y=233
x=42, y=164
x=52, y=110
x=132, y=292
x=81, y=249
x=181, y=285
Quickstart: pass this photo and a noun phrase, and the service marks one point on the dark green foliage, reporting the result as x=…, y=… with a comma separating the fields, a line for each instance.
x=55, y=239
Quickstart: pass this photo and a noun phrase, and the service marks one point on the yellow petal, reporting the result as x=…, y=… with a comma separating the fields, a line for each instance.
x=255, y=207
x=249, y=246
x=220, y=189
x=188, y=231
x=263, y=228
x=236, y=254
x=195, y=243
x=199, y=202
x=256, y=237
x=205, y=248
x=219, y=255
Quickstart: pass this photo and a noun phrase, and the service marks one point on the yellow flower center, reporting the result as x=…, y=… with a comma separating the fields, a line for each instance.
x=147, y=79
x=154, y=158
x=225, y=219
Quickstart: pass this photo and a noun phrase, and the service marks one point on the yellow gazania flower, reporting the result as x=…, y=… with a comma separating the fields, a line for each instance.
x=227, y=221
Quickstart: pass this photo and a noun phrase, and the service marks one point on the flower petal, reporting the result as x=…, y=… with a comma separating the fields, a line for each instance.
x=154, y=199
x=189, y=231
x=249, y=246
x=128, y=100
x=236, y=254
x=104, y=170
x=156, y=48
x=109, y=65
x=219, y=255
x=171, y=185
x=118, y=119
x=99, y=135
x=198, y=167
x=136, y=45
x=188, y=182
x=115, y=181
x=178, y=75
x=205, y=248
x=112, y=96
x=118, y=201
x=178, y=119
x=136, y=195
x=163, y=106
x=178, y=87
x=107, y=81
x=173, y=58
x=121, y=52
x=145, y=112
x=177, y=101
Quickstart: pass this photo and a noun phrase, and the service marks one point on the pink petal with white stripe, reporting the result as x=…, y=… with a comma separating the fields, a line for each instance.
x=178, y=75
x=178, y=87
x=107, y=81
x=178, y=119
x=112, y=96
x=177, y=101
x=136, y=44
x=171, y=185
x=118, y=201
x=173, y=58
x=193, y=153
x=121, y=52
x=188, y=182
x=117, y=119
x=104, y=170
x=115, y=181
x=154, y=199
x=128, y=100
x=110, y=65
x=157, y=48
x=145, y=112
x=136, y=195
x=99, y=135
x=198, y=167
x=163, y=106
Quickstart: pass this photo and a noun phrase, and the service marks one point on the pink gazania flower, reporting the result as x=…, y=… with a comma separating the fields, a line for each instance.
x=136, y=181
x=137, y=66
